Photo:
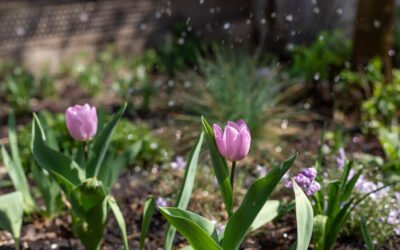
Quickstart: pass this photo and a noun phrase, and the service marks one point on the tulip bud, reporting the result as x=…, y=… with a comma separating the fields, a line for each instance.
x=234, y=142
x=81, y=122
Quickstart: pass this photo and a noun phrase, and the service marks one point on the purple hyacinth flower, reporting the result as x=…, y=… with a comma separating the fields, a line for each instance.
x=341, y=159
x=306, y=181
x=311, y=173
x=314, y=187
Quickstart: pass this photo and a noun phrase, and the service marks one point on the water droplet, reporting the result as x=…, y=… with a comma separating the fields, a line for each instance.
x=316, y=10
x=158, y=15
x=307, y=105
x=248, y=21
x=84, y=17
x=290, y=46
x=181, y=41
x=273, y=15
x=317, y=76
x=263, y=21
x=143, y=26
x=391, y=52
x=339, y=11
x=289, y=18
x=212, y=10
x=20, y=31
x=201, y=1
x=377, y=24
x=227, y=26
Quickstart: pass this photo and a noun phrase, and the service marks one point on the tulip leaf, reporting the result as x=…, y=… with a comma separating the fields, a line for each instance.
x=62, y=167
x=87, y=195
x=148, y=211
x=220, y=166
x=319, y=230
x=89, y=226
x=304, y=218
x=268, y=212
x=11, y=214
x=240, y=222
x=186, y=188
x=101, y=144
x=197, y=230
x=119, y=217
x=49, y=190
x=113, y=166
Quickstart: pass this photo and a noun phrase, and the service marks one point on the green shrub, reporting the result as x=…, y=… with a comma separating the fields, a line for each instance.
x=316, y=61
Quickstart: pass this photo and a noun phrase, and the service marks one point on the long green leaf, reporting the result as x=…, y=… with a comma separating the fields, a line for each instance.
x=66, y=171
x=19, y=180
x=12, y=137
x=120, y=220
x=11, y=213
x=241, y=221
x=148, y=211
x=14, y=166
x=186, y=188
x=268, y=212
x=220, y=166
x=197, y=230
x=304, y=218
x=101, y=144
x=366, y=235
x=320, y=231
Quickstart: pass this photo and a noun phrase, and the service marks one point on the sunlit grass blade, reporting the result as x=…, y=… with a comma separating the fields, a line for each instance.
x=19, y=180
x=197, y=230
x=148, y=211
x=14, y=166
x=220, y=167
x=304, y=218
x=366, y=235
x=11, y=213
x=186, y=188
x=258, y=193
x=119, y=217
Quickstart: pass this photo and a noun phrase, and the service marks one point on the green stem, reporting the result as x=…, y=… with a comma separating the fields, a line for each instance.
x=233, y=174
x=17, y=242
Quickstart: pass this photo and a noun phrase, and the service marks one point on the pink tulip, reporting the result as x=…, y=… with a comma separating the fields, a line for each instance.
x=81, y=122
x=234, y=142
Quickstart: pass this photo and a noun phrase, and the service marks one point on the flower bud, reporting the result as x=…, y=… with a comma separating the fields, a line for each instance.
x=81, y=122
x=234, y=142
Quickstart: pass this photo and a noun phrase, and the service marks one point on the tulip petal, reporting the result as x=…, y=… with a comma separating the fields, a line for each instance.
x=219, y=139
x=230, y=138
